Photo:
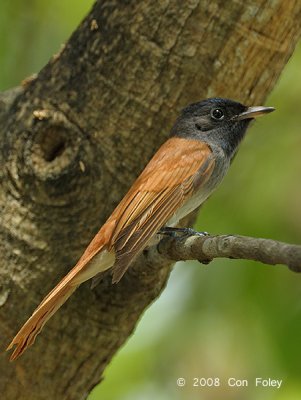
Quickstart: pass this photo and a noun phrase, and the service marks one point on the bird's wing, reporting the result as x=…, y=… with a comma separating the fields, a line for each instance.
x=166, y=183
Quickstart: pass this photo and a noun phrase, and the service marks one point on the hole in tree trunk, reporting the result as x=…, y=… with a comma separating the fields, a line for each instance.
x=52, y=145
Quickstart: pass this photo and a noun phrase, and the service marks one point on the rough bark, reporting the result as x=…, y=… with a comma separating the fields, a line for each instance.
x=74, y=138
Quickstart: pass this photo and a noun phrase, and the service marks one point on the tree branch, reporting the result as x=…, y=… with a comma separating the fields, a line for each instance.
x=206, y=248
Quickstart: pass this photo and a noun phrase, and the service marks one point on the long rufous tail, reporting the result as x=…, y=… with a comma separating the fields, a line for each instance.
x=56, y=298
x=33, y=326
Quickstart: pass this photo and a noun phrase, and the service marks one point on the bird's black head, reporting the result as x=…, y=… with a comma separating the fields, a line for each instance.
x=217, y=121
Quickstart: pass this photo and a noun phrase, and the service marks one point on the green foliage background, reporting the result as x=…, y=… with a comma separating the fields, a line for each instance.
x=232, y=318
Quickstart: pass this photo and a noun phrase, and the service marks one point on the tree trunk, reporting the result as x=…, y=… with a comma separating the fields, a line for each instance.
x=75, y=137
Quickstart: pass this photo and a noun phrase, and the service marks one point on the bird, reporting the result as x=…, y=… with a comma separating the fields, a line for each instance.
x=180, y=176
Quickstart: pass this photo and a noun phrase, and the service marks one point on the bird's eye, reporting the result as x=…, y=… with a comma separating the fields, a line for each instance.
x=217, y=114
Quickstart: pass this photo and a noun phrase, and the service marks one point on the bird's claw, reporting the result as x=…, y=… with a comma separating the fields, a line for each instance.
x=180, y=232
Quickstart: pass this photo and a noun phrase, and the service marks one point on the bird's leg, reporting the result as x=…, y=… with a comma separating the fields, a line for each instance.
x=182, y=232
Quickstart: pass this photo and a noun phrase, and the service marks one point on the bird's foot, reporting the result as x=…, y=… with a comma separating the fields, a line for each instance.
x=180, y=232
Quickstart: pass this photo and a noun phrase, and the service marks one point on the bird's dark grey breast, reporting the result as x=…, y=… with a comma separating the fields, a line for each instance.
x=221, y=166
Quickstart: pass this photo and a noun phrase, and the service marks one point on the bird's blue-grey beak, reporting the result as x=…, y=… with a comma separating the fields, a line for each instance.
x=253, y=112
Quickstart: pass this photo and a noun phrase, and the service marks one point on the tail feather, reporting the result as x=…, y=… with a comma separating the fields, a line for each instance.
x=33, y=326
x=56, y=298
